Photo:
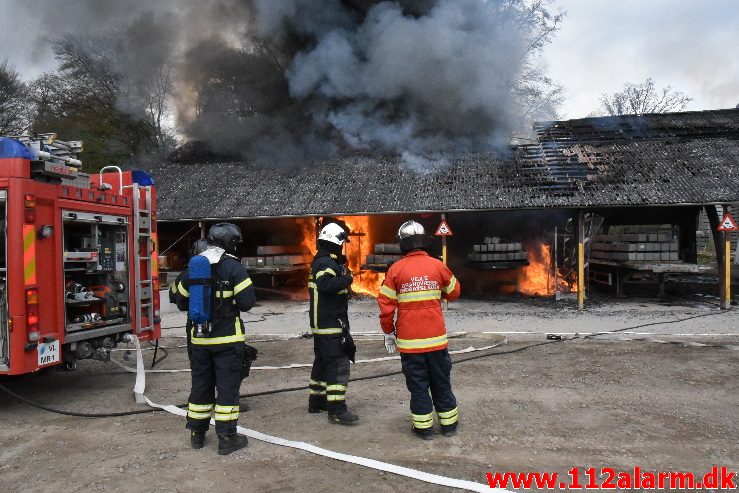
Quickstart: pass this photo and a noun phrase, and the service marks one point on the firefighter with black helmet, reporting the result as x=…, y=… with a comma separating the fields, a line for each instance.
x=328, y=286
x=414, y=287
x=218, y=348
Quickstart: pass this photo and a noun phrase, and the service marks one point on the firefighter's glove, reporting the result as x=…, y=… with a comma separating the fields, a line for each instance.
x=390, y=345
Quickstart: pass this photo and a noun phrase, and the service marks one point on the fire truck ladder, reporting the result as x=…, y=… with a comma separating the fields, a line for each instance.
x=144, y=250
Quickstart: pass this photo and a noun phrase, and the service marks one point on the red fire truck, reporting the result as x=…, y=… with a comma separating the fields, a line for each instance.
x=78, y=256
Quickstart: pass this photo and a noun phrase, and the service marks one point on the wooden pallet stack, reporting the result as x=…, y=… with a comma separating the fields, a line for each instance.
x=278, y=256
x=385, y=254
x=635, y=247
x=495, y=249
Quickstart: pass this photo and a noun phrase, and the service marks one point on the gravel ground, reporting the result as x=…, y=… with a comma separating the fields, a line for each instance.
x=576, y=403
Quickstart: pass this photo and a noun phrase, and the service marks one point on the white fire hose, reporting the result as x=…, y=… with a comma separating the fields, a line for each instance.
x=461, y=484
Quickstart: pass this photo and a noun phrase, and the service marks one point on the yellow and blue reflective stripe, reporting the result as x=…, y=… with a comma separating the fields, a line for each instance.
x=421, y=343
x=242, y=286
x=448, y=417
x=389, y=292
x=327, y=331
x=199, y=411
x=432, y=294
x=226, y=413
x=423, y=421
x=325, y=271
x=239, y=336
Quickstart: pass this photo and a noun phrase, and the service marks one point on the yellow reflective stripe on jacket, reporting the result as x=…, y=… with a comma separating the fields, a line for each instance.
x=184, y=292
x=325, y=271
x=224, y=294
x=389, y=292
x=212, y=341
x=448, y=417
x=450, y=287
x=242, y=286
x=343, y=291
x=327, y=331
x=421, y=343
x=432, y=294
x=423, y=421
x=312, y=285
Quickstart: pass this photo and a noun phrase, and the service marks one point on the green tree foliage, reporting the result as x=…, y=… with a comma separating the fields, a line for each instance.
x=80, y=101
x=13, y=101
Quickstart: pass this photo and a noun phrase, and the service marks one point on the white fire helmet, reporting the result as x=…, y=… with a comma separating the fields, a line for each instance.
x=333, y=233
x=412, y=236
x=410, y=228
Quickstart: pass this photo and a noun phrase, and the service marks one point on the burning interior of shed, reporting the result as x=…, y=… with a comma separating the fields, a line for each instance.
x=607, y=204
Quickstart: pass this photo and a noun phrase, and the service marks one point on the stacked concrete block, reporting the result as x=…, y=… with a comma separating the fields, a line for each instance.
x=278, y=256
x=385, y=254
x=635, y=247
x=495, y=249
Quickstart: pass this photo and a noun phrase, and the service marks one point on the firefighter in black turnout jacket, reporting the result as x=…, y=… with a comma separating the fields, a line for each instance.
x=219, y=348
x=328, y=286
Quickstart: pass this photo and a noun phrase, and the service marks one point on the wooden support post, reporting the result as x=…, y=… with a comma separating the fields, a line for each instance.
x=443, y=242
x=580, y=260
x=443, y=257
x=725, y=273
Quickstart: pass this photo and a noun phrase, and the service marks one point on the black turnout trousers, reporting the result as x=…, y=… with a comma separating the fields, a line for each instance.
x=330, y=374
x=430, y=371
x=215, y=367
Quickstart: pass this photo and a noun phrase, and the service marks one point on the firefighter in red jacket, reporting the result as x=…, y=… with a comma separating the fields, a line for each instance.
x=415, y=286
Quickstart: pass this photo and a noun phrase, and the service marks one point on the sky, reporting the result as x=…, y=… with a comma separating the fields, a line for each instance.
x=692, y=45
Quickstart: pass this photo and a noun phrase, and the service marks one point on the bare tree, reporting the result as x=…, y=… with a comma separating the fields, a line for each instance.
x=638, y=99
x=13, y=101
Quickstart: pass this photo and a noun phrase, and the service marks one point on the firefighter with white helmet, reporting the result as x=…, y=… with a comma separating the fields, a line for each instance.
x=414, y=287
x=328, y=286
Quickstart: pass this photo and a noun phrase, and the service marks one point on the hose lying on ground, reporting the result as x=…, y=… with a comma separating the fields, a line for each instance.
x=357, y=379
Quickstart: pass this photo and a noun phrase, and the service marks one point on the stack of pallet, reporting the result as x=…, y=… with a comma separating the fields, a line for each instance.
x=635, y=247
x=385, y=254
x=497, y=250
x=278, y=256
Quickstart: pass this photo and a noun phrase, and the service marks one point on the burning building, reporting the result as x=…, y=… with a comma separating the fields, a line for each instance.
x=582, y=178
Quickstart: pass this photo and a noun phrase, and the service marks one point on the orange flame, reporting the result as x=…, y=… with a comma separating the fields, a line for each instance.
x=536, y=279
x=365, y=282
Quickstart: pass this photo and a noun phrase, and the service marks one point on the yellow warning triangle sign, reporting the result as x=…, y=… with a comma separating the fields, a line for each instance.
x=443, y=229
x=728, y=224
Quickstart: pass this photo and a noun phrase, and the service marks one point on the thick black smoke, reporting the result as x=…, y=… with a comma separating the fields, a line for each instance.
x=282, y=81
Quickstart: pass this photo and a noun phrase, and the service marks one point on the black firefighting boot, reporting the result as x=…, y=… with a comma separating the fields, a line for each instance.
x=343, y=418
x=197, y=439
x=449, y=430
x=424, y=433
x=231, y=443
x=317, y=406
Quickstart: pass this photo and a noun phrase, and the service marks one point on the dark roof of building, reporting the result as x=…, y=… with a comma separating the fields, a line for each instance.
x=688, y=124
x=568, y=172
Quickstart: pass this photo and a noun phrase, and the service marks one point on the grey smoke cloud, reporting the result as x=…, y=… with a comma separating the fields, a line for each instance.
x=285, y=80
